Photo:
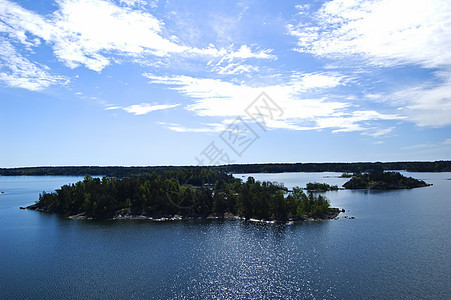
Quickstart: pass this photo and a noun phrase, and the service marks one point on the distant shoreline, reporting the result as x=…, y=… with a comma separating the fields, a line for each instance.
x=120, y=171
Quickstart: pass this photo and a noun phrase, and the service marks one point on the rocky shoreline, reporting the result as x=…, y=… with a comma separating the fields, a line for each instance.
x=333, y=213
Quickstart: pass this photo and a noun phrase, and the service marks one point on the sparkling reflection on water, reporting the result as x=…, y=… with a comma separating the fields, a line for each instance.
x=248, y=260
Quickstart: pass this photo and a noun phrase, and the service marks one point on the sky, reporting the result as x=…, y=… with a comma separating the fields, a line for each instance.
x=139, y=83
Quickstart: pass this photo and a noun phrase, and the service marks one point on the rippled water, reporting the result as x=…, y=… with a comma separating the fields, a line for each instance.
x=397, y=247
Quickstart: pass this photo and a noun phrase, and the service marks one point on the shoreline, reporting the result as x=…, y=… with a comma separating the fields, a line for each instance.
x=333, y=213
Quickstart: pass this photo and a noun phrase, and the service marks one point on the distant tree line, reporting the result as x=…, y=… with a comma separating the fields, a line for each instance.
x=436, y=166
x=185, y=192
x=117, y=171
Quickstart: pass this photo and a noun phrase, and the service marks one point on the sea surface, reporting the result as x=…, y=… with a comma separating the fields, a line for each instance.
x=397, y=247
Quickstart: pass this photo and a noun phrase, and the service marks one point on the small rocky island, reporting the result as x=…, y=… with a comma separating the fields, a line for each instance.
x=379, y=180
x=320, y=187
x=184, y=194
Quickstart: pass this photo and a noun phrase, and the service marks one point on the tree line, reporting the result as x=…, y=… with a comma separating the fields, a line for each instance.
x=118, y=171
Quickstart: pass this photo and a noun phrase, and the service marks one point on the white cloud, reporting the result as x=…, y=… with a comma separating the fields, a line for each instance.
x=93, y=32
x=206, y=128
x=244, y=52
x=214, y=97
x=447, y=142
x=374, y=96
x=88, y=31
x=143, y=108
x=386, y=32
x=318, y=80
x=235, y=68
x=113, y=107
x=217, y=98
x=380, y=131
x=133, y=2
x=427, y=104
x=18, y=71
x=82, y=31
x=349, y=122
x=229, y=61
x=16, y=22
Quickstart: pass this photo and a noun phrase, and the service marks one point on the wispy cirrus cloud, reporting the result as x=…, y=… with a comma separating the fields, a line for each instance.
x=428, y=104
x=217, y=98
x=231, y=62
x=18, y=71
x=380, y=132
x=133, y=2
x=384, y=32
x=245, y=52
x=143, y=108
x=203, y=128
x=235, y=68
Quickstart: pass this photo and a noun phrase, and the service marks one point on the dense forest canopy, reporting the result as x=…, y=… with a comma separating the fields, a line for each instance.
x=184, y=191
x=117, y=171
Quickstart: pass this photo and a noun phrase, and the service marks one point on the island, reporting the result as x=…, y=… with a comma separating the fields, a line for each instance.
x=190, y=193
x=380, y=180
x=320, y=187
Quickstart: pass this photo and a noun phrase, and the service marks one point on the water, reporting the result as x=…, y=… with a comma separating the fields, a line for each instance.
x=398, y=246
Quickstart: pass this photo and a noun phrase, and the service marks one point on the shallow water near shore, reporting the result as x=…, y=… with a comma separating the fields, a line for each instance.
x=397, y=246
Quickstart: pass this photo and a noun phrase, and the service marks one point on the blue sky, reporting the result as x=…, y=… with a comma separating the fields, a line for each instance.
x=135, y=82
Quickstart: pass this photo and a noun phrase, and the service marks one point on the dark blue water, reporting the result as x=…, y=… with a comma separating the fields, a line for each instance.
x=398, y=246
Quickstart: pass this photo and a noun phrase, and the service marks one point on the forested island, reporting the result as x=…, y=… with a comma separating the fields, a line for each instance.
x=378, y=180
x=184, y=193
x=118, y=171
x=320, y=187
